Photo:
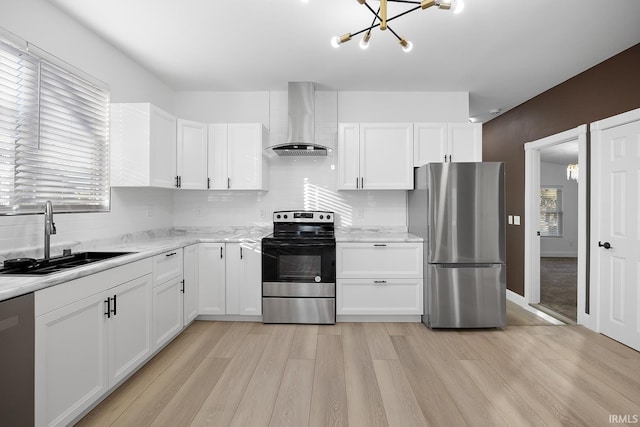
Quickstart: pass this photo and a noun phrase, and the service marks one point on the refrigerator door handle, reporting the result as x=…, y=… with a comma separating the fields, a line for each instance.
x=462, y=265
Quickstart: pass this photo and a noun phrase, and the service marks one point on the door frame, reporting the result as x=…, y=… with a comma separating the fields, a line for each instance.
x=532, y=240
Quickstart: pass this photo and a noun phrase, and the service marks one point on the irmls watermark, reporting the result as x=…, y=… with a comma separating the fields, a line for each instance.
x=624, y=419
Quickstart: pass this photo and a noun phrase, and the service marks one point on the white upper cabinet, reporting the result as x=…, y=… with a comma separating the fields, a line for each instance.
x=192, y=155
x=375, y=156
x=143, y=146
x=447, y=142
x=236, y=158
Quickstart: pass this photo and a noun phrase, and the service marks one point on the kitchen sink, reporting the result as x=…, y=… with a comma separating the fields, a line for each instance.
x=41, y=267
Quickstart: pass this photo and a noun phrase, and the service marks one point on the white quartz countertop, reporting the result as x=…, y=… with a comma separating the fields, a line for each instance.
x=145, y=245
x=355, y=235
x=141, y=248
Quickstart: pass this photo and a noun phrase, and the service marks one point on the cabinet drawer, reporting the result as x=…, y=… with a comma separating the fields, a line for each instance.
x=379, y=296
x=378, y=260
x=167, y=266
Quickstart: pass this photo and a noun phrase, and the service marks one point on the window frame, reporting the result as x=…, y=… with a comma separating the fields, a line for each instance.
x=54, y=133
x=557, y=211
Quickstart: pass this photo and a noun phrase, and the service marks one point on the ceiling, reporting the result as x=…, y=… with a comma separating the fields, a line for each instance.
x=503, y=52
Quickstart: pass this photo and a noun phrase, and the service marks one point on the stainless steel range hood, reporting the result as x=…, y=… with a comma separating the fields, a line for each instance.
x=301, y=134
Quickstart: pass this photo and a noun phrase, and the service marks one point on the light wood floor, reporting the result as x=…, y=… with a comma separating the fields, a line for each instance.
x=378, y=374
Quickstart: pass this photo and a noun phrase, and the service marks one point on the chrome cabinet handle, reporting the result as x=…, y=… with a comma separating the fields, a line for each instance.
x=380, y=281
x=380, y=245
x=220, y=252
x=171, y=254
x=362, y=183
x=228, y=183
x=357, y=184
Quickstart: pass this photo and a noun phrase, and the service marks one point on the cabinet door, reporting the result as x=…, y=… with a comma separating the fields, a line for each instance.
x=192, y=155
x=386, y=156
x=212, y=279
x=379, y=296
x=429, y=143
x=71, y=369
x=217, y=157
x=190, y=288
x=163, y=149
x=244, y=278
x=244, y=156
x=349, y=156
x=167, y=311
x=129, y=327
x=465, y=142
x=130, y=144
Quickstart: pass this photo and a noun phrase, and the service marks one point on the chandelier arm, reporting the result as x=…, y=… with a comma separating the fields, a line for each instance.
x=388, y=19
x=405, y=1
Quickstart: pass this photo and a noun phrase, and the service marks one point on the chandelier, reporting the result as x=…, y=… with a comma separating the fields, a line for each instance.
x=572, y=172
x=381, y=19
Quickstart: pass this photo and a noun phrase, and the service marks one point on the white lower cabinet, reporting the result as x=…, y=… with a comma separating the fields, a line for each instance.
x=379, y=296
x=379, y=278
x=168, y=302
x=89, y=334
x=167, y=311
x=244, y=278
x=211, y=278
x=190, y=289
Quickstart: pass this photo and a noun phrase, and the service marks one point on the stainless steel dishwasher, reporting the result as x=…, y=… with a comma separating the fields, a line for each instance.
x=16, y=361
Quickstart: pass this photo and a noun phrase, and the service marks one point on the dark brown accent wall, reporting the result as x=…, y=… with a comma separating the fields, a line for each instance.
x=607, y=89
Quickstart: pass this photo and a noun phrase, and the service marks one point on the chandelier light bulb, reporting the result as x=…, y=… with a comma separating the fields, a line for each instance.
x=335, y=42
x=364, y=43
x=406, y=46
x=457, y=6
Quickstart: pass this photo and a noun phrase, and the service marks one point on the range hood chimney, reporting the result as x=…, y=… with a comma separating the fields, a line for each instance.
x=301, y=134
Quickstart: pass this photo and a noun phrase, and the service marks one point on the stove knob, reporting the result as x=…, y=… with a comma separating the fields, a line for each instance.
x=278, y=216
x=286, y=216
x=321, y=216
x=328, y=216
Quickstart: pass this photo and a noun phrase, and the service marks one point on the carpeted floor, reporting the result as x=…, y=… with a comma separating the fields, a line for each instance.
x=558, y=285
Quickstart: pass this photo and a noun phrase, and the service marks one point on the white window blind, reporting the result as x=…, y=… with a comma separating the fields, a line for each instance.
x=551, y=212
x=53, y=137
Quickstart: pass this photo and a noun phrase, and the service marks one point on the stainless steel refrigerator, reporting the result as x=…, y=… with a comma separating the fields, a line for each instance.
x=459, y=211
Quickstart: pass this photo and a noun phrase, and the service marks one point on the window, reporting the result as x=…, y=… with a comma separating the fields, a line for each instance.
x=551, y=211
x=53, y=135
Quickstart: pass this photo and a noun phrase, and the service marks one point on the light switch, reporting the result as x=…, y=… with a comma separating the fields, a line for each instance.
x=516, y=220
x=510, y=219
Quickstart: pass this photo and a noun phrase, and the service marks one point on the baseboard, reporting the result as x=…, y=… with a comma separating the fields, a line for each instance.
x=559, y=255
x=522, y=302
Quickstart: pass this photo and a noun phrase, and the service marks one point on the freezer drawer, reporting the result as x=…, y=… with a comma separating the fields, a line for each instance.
x=470, y=296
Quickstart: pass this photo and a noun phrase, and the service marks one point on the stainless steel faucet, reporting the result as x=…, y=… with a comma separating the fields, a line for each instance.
x=49, y=228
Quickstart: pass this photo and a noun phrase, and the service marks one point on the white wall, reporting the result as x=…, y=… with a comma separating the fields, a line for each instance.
x=307, y=183
x=45, y=26
x=567, y=246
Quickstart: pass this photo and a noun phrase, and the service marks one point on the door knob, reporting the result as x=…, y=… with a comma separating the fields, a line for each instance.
x=605, y=245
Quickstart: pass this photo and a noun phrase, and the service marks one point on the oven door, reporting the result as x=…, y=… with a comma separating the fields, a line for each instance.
x=298, y=268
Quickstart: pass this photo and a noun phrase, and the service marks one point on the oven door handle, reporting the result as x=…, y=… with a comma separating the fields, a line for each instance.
x=297, y=245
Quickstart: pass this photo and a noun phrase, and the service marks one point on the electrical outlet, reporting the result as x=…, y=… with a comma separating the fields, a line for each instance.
x=263, y=212
x=516, y=220
x=510, y=219
x=149, y=211
x=360, y=212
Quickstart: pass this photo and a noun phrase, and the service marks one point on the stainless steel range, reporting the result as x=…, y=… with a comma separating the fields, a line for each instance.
x=299, y=269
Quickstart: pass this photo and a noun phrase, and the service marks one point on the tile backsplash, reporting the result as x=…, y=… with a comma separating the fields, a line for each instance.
x=295, y=183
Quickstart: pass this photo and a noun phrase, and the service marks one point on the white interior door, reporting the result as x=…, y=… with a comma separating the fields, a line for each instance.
x=615, y=235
